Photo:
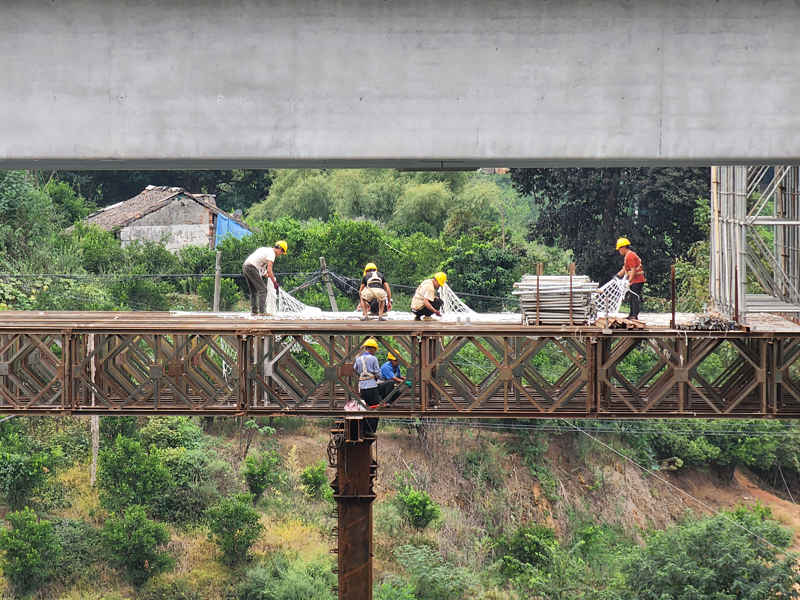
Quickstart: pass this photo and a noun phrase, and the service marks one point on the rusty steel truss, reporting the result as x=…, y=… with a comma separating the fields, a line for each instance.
x=145, y=363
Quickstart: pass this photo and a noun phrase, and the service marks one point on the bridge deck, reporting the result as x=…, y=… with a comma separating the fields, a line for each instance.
x=173, y=363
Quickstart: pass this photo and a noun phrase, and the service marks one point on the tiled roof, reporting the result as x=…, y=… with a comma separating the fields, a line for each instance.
x=150, y=200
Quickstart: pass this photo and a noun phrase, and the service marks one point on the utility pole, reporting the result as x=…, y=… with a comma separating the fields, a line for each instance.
x=217, y=282
x=327, y=277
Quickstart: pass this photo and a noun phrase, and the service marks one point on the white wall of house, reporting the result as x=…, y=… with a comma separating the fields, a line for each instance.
x=182, y=222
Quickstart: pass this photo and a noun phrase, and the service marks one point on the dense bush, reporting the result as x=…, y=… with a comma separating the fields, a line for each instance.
x=434, y=578
x=229, y=294
x=234, y=526
x=314, y=479
x=261, y=471
x=111, y=427
x=190, y=491
x=22, y=475
x=127, y=474
x=81, y=546
x=730, y=555
x=136, y=543
x=171, y=432
x=285, y=579
x=529, y=545
x=30, y=550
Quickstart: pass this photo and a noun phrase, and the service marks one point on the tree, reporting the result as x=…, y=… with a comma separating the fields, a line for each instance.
x=137, y=543
x=30, y=549
x=128, y=475
x=483, y=269
x=260, y=472
x=717, y=559
x=424, y=203
x=21, y=475
x=234, y=526
x=586, y=210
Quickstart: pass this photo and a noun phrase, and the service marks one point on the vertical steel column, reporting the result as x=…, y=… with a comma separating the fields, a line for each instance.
x=353, y=491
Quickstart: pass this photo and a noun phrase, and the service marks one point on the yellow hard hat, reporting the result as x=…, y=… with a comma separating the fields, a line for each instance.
x=391, y=356
x=282, y=245
x=441, y=278
x=623, y=242
x=369, y=267
x=370, y=343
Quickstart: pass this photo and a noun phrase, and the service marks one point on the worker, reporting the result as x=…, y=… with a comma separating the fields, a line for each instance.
x=368, y=371
x=425, y=303
x=632, y=269
x=390, y=377
x=259, y=265
x=374, y=292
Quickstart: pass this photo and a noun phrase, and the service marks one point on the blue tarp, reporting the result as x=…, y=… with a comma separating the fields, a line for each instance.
x=227, y=226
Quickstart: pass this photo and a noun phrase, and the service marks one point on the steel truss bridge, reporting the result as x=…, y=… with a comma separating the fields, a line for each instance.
x=157, y=363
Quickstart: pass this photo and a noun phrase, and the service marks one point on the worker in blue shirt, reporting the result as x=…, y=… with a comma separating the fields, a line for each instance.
x=390, y=376
x=369, y=371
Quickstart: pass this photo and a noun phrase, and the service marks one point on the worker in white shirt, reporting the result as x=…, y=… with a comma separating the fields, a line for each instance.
x=425, y=303
x=257, y=266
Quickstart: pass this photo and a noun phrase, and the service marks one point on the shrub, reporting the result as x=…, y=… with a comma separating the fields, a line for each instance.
x=31, y=550
x=229, y=294
x=111, y=427
x=715, y=558
x=432, y=577
x=135, y=542
x=234, y=526
x=128, y=475
x=529, y=545
x=21, y=475
x=283, y=579
x=416, y=506
x=260, y=472
x=390, y=591
x=81, y=547
x=172, y=432
x=314, y=479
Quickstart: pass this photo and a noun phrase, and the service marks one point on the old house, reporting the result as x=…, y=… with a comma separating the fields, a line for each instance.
x=170, y=214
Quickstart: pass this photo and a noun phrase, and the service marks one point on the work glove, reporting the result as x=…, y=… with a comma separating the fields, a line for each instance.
x=277, y=286
x=617, y=276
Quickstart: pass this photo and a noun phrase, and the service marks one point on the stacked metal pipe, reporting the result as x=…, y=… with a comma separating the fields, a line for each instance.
x=547, y=299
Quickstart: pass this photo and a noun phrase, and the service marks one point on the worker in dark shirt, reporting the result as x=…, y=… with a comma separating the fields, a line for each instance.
x=374, y=289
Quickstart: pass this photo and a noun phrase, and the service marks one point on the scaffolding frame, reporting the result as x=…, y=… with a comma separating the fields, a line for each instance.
x=755, y=235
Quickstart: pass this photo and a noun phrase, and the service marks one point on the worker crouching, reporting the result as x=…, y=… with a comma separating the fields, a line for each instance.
x=425, y=303
x=257, y=266
x=375, y=293
x=369, y=372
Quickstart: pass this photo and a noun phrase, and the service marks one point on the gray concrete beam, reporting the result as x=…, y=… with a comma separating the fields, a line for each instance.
x=403, y=83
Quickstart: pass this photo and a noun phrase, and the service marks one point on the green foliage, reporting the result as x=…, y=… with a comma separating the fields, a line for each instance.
x=432, y=577
x=425, y=203
x=22, y=475
x=481, y=269
x=229, y=294
x=191, y=490
x=314, y=479
x=81, y=548
x=100, y=251
x=31, y=550
x=234, y=526
x=27, y=217
x=127, y=475
x=67, y=202
x=261, y=471
x=141, y=294
x=715, y=558
x=171, y=432
x=415, y=506
x=111, y=427
x=587, y=209
x=390, y=590
x=137, y=543
x=285, y=579
x=485, y=465
x=530, y=545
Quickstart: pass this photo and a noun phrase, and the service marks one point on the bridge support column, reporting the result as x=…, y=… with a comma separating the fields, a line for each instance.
x=350, y=453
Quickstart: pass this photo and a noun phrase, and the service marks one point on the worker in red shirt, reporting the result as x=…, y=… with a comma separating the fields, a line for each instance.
x=632, y=269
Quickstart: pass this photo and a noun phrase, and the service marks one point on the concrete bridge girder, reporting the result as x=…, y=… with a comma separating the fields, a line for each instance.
x=450, y=84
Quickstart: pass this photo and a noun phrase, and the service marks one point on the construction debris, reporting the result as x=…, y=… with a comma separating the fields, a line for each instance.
x=556, y=299
x=619, y=323
x=710, y=323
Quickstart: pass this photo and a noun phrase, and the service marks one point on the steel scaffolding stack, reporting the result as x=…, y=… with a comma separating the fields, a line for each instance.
x=755, y=236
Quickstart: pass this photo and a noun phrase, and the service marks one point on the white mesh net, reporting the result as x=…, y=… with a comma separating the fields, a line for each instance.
x=452, y=303
x=609, y=300
x=289, y=305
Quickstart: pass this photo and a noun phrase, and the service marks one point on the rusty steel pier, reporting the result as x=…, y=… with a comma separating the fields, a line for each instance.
x=118, y=363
